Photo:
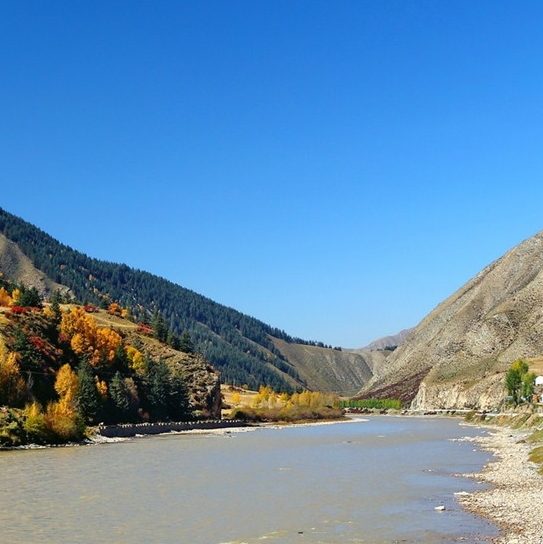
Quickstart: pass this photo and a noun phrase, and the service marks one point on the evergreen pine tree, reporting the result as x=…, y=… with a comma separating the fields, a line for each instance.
x=55, y=305
x=29, y=296
x=120, y=397
x=185, y=343
x=88, y=399
x=160, y=329
x=173, y=340
x=178, y=401
x=158, y=389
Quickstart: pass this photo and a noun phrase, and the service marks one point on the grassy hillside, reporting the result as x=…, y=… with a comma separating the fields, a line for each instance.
x=333, y=370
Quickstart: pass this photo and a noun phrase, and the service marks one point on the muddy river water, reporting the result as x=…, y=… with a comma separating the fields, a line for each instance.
x=376, y=481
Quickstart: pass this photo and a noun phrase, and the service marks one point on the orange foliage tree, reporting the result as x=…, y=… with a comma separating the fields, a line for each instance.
x=114, y=308
x=86, y=338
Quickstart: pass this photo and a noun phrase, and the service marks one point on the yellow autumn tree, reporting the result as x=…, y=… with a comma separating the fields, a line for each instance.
x=12, y=383
x=107, y=342
x=136, y=360
x=101, y=386
x=5, y=299
x=15, y=296
x=316, y=399
x=34, y=423
x=294, y=400
x=304, y=398
x=66, y=385
x=76, y=321
x=267, y=398
x=62, y=418
x=63, y=422
x=284, y=398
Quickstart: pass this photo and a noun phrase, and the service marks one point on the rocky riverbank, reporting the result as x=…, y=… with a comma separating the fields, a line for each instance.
x=514, y=500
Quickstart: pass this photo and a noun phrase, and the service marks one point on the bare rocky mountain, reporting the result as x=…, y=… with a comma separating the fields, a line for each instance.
x=457, y=356
x=387, y=342
x=340, y=371
x=326, y=369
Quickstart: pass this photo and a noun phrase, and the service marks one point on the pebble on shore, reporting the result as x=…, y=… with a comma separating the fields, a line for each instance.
x=515, y=499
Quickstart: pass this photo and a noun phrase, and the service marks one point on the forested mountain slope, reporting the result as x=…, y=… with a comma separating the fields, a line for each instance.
x=457, y=356
x=236, y=344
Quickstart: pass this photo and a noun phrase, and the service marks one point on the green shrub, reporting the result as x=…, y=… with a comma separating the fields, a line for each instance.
x=11, y=428
x=373, y=404
x=245, y=413
x=63, y=423
x=535, y=437
x=35, y=426
x=536, y=456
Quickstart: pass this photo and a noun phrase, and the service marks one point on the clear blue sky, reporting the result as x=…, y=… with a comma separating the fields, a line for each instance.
x=333, y=168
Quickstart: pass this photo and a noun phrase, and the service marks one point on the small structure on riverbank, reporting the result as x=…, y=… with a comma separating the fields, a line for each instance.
x=127, y=430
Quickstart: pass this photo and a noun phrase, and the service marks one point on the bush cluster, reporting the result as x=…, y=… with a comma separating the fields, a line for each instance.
x=373, y=404
x=269, y=406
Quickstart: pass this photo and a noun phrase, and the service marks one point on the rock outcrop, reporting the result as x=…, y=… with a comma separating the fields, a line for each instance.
x=203, y=380
x=461, y=350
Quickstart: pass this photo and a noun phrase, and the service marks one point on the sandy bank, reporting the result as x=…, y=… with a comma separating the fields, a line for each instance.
x=515, y=499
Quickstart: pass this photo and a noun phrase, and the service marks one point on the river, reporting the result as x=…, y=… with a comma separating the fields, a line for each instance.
x=374, y=481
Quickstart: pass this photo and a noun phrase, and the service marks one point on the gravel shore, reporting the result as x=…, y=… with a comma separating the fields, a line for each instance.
x=515, y=499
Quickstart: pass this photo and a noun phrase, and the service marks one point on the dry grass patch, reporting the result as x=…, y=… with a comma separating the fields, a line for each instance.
x=236, y=396
x=536, y=365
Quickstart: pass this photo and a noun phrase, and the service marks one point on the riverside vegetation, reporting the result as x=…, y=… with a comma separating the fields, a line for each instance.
x=521, y=409
x=512, y=499
x=267, y=405
x=66, y=366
